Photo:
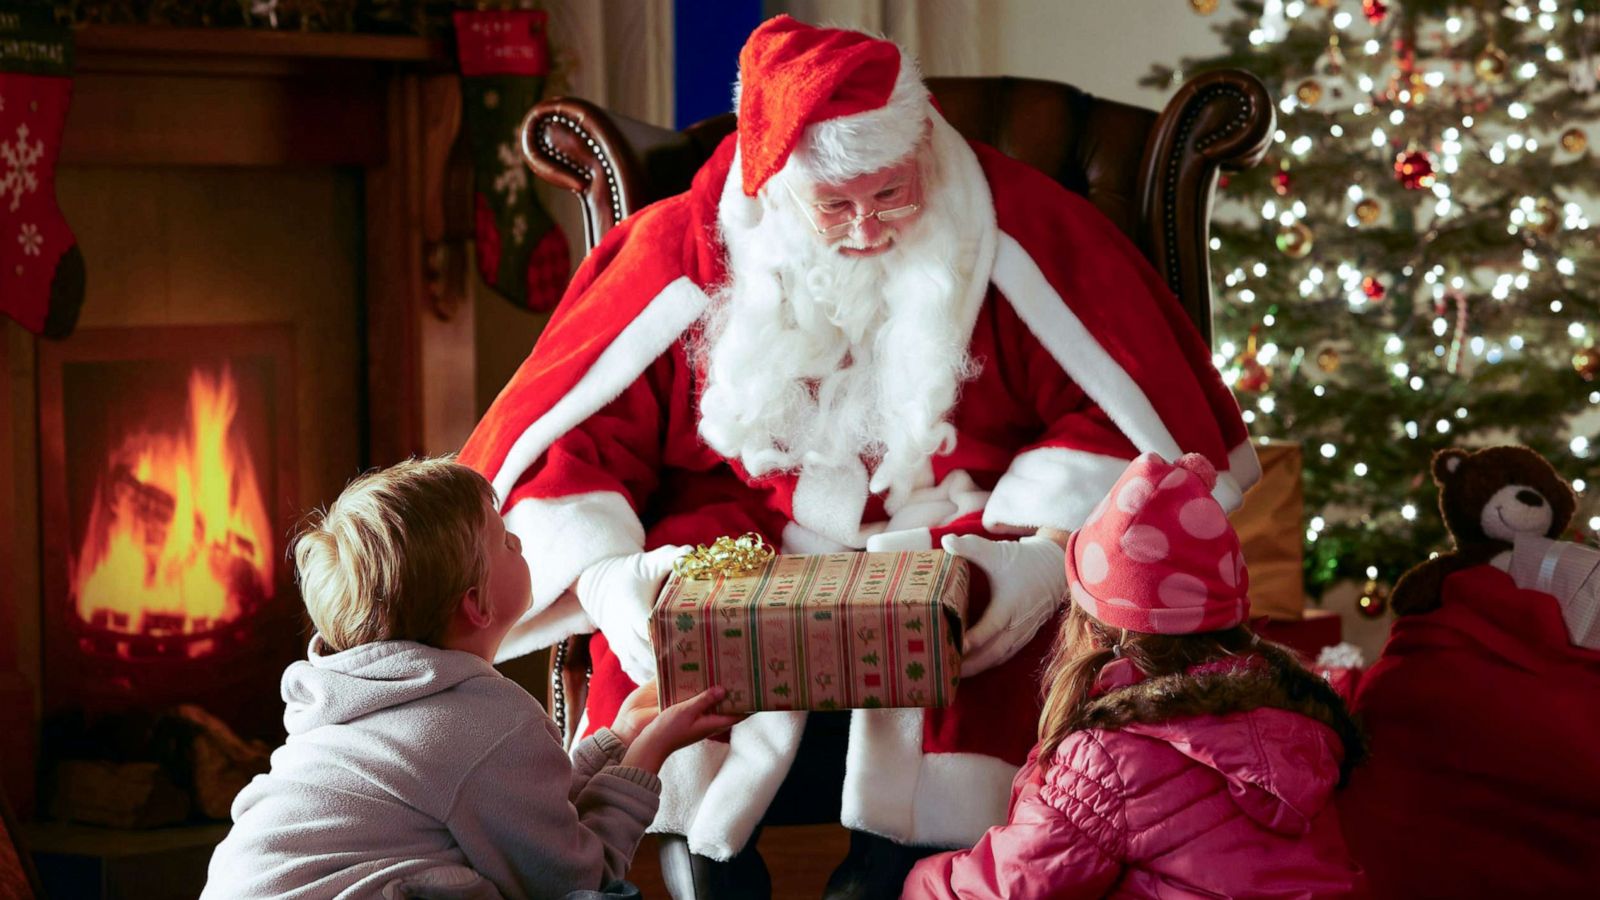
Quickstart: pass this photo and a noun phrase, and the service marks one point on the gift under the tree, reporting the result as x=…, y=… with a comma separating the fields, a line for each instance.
x=834, y=631
x=1271, y=525
x=1570, y=572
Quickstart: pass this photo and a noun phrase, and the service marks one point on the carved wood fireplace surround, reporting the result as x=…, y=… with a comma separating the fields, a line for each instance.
x=224, y=184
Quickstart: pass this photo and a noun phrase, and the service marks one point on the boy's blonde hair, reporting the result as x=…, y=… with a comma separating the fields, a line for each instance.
x=391, y=558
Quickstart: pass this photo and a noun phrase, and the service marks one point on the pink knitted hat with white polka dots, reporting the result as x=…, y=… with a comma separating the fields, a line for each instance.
x=1158, y=554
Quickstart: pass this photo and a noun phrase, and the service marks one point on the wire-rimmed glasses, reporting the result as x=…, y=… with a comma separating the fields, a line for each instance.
x=848, y=225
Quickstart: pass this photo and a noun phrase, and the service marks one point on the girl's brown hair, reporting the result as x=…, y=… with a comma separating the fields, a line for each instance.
x=1084, y=646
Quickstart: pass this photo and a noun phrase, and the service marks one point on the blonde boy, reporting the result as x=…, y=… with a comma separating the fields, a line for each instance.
x=412, y=767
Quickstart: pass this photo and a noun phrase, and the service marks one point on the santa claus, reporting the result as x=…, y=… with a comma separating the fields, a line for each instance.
x=856, y=330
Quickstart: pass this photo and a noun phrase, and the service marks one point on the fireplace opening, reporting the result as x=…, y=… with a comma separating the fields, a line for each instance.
x=177, y=545
x=167, y=479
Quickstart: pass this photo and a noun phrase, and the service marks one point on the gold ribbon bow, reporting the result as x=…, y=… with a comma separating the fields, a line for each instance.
x=726, y=556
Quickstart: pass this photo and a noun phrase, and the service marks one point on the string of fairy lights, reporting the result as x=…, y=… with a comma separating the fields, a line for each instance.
x=1410, y=127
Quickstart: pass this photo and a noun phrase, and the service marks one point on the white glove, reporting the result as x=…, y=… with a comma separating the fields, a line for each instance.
x=1027, y=581
x=618, y=593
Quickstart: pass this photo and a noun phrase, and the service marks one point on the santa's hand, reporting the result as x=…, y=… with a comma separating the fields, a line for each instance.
x=1027, y=580
x=618, y=592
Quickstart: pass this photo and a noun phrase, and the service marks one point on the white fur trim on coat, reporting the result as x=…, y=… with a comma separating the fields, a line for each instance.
x=715, y=793
x=648, y=336
x=586, y=527
x=903, y=541
x=567, y=534
x=1050, y=487
x=894, y=789
x=1088, y=364
x=829, y=500
x=1062, y=333
x=1244, y=470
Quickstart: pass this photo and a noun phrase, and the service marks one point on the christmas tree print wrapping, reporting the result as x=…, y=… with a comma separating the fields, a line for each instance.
x=505, y=58
x=834, y=631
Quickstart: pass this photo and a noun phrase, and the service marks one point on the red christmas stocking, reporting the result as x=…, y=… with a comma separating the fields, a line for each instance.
x=505, y=57
x=41, y=269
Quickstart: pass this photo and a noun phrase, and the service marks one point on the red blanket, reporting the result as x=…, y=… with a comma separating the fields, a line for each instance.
x=1484, y=779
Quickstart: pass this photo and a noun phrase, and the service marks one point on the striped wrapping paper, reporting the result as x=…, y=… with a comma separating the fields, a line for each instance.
x=836, y=631
x=1570, y=572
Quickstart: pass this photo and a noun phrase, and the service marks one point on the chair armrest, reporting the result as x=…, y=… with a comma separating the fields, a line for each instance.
x=1218, y=120
x=570, y=668
x=575, y=145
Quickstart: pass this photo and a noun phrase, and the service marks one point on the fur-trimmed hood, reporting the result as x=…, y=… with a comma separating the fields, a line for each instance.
x=1277, y=734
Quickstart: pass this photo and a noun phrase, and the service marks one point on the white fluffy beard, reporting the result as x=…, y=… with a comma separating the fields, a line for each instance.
x=813, y=358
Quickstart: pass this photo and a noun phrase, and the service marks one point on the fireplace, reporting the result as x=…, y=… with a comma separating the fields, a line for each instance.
x=167, y=476
x=276, y=301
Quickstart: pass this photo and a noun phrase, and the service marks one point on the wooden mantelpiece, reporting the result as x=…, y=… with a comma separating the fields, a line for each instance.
x=389, y=105
x=255, y=43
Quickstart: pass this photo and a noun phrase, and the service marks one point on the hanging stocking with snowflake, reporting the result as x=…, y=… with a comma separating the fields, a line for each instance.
x=41, y=270
x=505, y=57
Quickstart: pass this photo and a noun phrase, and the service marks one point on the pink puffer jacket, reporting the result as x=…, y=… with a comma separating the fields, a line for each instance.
x=1236, y=805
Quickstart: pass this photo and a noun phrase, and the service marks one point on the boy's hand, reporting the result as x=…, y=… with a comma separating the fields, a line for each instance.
x=678, y=726
x=638, y=711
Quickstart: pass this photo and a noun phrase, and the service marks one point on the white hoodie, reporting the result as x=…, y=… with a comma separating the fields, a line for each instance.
x=407, y=765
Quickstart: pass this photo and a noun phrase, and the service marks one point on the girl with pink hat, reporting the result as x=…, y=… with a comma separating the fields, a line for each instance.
x=1178, y=753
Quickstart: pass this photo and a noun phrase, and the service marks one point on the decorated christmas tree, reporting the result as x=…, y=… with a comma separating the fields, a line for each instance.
x=1413, y=267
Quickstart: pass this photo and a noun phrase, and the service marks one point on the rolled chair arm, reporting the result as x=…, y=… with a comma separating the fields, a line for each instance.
x=1219, y=120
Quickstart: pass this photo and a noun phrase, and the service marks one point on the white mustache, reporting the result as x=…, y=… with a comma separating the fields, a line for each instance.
x=853, y=244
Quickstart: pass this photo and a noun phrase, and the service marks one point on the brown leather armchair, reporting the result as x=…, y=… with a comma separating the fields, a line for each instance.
x=1153, y=174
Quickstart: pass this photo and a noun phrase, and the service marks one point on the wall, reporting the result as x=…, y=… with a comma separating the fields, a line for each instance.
x=1101, y=46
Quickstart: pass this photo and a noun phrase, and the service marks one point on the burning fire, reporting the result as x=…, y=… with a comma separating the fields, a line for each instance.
x=178, y=540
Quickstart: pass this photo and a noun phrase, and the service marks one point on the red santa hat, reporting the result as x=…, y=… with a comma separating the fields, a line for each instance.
x=1158, y=554
x=845, y=102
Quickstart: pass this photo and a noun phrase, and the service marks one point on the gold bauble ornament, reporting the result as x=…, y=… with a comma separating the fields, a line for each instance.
x=1203, y=7
x=1328, y=360
x=1492, y=64
x=1309, y=91
x=1374, y=600
x=1586, y=362
x=1253, y=376
x=1546, y=218
x=1295, y=240
x=1574, y=140
x=1417, y=83
x=1368, y=210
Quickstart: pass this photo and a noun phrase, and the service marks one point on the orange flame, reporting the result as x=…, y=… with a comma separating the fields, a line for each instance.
x=178, y=540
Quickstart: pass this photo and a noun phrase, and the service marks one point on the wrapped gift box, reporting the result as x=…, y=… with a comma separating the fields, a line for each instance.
x=1271, y=528
x=1307, y=635
x=1568, y=571
x=835, y=631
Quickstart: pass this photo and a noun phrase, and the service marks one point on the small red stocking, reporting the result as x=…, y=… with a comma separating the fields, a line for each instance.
x=41, y=269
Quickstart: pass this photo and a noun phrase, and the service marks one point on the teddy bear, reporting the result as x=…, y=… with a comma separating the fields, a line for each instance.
x=1487, y=497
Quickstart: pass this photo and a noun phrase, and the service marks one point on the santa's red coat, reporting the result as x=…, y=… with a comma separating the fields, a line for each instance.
x=1087, y=360
x=1484, y=779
